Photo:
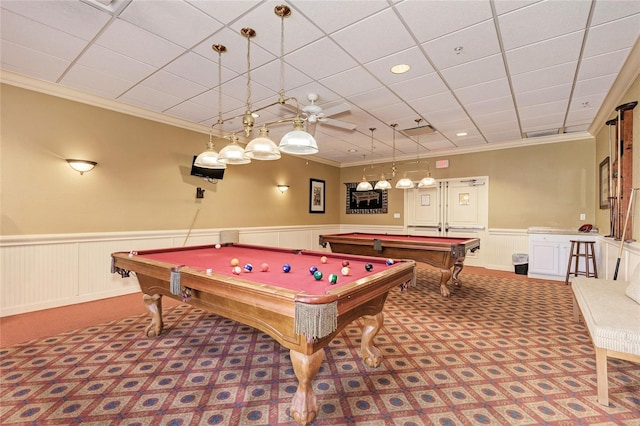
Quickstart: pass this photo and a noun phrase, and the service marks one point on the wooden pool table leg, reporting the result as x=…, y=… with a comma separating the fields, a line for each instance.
x=154, y=304
x=445, y=274
x=370, y=354
x=457, y=267
x=304, y=406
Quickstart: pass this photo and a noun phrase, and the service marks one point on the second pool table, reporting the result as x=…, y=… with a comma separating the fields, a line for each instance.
x=301, y=313
x=446, y=253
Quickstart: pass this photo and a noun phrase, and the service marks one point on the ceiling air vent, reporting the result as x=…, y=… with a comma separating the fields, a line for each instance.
x=419, y=131
x=541, y=133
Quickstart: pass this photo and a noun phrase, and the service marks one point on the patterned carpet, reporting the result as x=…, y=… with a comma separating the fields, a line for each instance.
x=499, y=351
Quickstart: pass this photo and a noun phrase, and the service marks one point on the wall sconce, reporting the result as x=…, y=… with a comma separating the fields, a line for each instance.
x=82, y=166
x=283, y=188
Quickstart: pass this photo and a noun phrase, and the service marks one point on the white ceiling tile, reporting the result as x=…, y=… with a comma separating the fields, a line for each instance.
x=503, y=7
x=617, y=34
x=374, y=99
x=477, y=41
x=438, y=145
x=31, y=62
x=441, y=117
x=317, y=66
x=503, y=136
x=113, y=63
x=451, y=127
x=593, y=85
x=350, y=82
x=367, y=41
x=92, y=80
x=542, y=21
x=260, y=95
x=225, y=11
x=158, y=17
x=174, y=85
x=413, y=57
x=544, y=77
x=420, y=87
x=475, y=72
x=430, y=104
x=75, y=18
x=432, y=19
x=132, y=41
x=611, y=10
x=478, y=140
x=486, y=90
x=269, y=75
x=149, y=98
x=332, y=15
x=490, y=106
x=543, y=96
x=192, y=111
x=545, y=54
x=391, y=113
x=540, y=110
x=495, y=120
x=547, y=122
x=590, y=102
x=199, y=70
x=35, y=36
x=597, y=66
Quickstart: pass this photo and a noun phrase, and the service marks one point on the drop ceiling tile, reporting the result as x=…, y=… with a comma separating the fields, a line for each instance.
x=490, y=106
x=508, y=135
x=450, y=128
x=577, y=128
x=199, y=70
x=374, y=99
x=132, y=41
x=317, y=66
x=543, y=96
x=160, y=17
x=92, y=80
x=431, y=19
x=476, y=42
x=542, y=123
x=541, y=110
x=113, y=63
x=584, y=88
x=31, y=62
x=420, y=87
x=367, y=41
x=610, y=10
x=172, y=84
x=432, y=104
x=298, y=31
x=492, y=89
x=598, y=66
x=441, y=117
x=269, y=75
x=350, y=82
x=544, y=77
x=333, y=15
x=192, y=111
x=75, y=18
x=225, y=11
x=35, y=36
x=617, y=35
x=438, y=145
x=545, y=54
x=475, y=72
x=149, y=98
x=576, y=117
x=542, y=21
x=413, y=57
x=478, y=140
x=510, y=123
x=496, y=118
x=391, y=113
x=260, y=95
x=591, y=102
x=503, y=7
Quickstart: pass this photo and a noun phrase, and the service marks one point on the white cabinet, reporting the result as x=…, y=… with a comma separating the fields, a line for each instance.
x=549, y=254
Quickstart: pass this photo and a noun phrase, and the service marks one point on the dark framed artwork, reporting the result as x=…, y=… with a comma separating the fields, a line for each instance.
x=604, y=183
x=316, y=196
x=366, y=202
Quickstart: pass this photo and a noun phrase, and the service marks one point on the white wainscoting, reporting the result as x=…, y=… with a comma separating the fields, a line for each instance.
x=46, y=271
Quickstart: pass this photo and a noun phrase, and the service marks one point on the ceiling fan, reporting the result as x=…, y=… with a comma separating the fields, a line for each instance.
x=314, y=114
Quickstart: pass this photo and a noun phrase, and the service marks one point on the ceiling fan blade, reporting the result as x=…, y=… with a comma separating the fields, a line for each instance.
x=339, y=123
x=337, y=109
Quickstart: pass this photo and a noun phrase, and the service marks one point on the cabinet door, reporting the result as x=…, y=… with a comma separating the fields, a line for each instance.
x=544, y=258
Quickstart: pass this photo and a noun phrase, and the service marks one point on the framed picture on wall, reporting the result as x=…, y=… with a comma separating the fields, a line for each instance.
x=316, y=196
x=604, y=184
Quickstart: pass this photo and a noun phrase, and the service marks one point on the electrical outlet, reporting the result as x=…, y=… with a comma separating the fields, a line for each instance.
x=396, y=215
x=583, y=216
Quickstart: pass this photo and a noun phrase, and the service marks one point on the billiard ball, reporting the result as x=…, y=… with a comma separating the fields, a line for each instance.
x=209, y=271
x=333, y=278
x=248, y=267
x=218, y=246
x=286, y=267
x=323, y=259
x=236, y=270
x=345, y=263
x=368, y=267
x=312, y=270
x=345, y=271
x=264, y=267
x=317, y=275
x=235, y=262
x=389, y=262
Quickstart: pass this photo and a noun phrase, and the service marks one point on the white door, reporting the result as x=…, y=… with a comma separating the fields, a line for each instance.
x=452, y=208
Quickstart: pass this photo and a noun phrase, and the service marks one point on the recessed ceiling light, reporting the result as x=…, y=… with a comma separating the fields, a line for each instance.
x=460, y=134
x=400, y=68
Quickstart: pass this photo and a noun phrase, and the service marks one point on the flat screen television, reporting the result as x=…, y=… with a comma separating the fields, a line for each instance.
x=209, y=174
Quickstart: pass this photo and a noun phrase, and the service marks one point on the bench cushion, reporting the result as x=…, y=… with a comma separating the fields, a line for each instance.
x=613, y=319
x=633, y=290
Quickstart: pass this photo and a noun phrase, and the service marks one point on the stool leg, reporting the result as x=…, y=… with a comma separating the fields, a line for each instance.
x=593, y=257
x=566, y=280
x=586, y=260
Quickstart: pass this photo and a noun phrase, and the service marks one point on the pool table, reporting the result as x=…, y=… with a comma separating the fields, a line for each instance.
x=446, y=253
x=300, y=312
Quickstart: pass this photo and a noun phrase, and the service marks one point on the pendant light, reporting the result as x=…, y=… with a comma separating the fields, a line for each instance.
x=233, y=153
x=262, y=148
x=383, y=183
x=426, y=181
x=366, y=185
x=405, y=182
x=209, y=158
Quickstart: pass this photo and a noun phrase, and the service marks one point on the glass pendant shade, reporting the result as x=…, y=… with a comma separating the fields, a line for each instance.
x=405, y=183
x=298, y=142
x=233, y=154
x=209, y=159
x=382, y=184
x=425, y=182
x=262, y=148
x=364, y=186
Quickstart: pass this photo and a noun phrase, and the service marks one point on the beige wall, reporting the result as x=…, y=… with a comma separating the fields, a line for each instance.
x=142, y=181
x=602, y=152
x=541, y=185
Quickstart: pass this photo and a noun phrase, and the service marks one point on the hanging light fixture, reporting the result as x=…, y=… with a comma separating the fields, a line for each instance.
x=297, y=141
x=209, y=158
x=405, y=182
x=383, y=183
x=233, y=153
x=428, y=180
x=262, y=147
x=366, y=185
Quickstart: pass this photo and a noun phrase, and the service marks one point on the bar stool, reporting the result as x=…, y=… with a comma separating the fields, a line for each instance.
x=586, y=250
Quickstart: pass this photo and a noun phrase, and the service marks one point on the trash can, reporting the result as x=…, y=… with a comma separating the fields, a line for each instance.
x=521, y=263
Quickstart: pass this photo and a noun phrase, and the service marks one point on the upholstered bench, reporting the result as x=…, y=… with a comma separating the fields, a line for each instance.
x=612, y=317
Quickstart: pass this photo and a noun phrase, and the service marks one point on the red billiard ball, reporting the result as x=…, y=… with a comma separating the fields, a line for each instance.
x=345, y=263
x=264, y=267
x=323, y=259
